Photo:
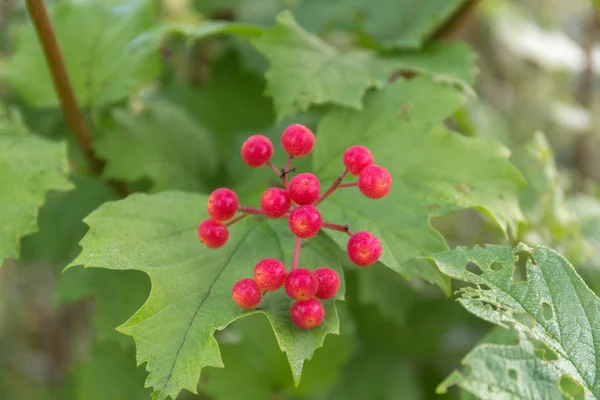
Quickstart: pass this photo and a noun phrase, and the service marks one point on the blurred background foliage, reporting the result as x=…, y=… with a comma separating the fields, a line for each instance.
x=537, y=93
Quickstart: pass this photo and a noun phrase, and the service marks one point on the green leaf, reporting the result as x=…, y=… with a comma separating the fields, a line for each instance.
x=190, y=297
x=434, y=171
x=305, y=70
x=538, y=293
x=96, y=40
x=109, y=373
x=29, y=167
x=162, y=143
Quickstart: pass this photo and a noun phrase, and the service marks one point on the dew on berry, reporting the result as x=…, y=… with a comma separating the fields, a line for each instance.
x=374, y=182
x=301, y=284
x=275, y=202
x=222, y=204
x=269, y=274
x=304, y=188
x=213, y=234
x=257, y=151
x=364, y=249
x=329, y=283
x=307, y=314
x=297, y=140
x=305, y=221
x=246, y=293
x=357, y=158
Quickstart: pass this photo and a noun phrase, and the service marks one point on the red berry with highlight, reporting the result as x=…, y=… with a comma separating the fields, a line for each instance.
x=222, y=204
x=275, y=202
x=364, y=249
x=213, y=234
x=257, y=151
x=269, y=274
x=375, y=182
x=307, y=314
x=329, y=283
x=297, y=140
x=305, y=221
x=304, y=188
x=357, y=158
x=301, y=284
x=246, y=293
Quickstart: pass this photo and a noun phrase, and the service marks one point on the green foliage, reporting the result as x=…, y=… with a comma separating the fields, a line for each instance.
x=97, y=40
x=538, y=293
x=29, y=167
x=190, y=296
x=401, y=124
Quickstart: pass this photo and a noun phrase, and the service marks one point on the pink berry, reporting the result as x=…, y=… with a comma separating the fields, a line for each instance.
x=305, y=188
x=364, y=249
x=301, y=284
x=357, y=158
x=257, y=151
x=275, y=202
x=222, y=204
x=269, y=274
x=213, y=234
x=307, y=314
x=246, y=293
x=329, y=283
x=305, y=221
x=374, y=182
x=297, y=140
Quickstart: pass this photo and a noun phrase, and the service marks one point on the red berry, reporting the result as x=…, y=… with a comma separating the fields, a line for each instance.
x=275, y=202
x=213, y=234
x=257, y=151
x=329, y=283
x=364, y=249
x=297, y=140
x=301, y=284
x=246, y=293
x=357, y=158
x=269, y=274
x=374, y=182
x=222, y=204
x=305, y=221
x=307, y=314
x=305, y=188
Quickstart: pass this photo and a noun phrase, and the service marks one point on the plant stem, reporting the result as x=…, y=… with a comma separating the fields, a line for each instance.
x=332, y=188
x=337, y=227
x=233, y=221
x=296, y=253
x=351, y=184
x=251, y=210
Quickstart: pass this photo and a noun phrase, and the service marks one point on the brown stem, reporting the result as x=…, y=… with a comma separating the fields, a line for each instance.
x=251, y=210
x=296, y=253
x=351, y=184
x=233, y=221
x=337, y=227
x=332, y=188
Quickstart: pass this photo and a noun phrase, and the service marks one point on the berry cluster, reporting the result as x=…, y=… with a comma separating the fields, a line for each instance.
x=297, y=201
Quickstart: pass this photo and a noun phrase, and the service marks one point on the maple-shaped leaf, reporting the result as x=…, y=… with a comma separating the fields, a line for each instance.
x=190, y=297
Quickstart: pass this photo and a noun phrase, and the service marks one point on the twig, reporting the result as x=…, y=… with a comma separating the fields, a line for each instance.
x=251, y=210
x=296, y=253
x=233, y=221
x=332, y=188
x=337, y=227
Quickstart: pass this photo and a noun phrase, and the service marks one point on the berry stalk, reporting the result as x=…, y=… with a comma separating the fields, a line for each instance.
x=251, y=210
x=296, y=253
x=351, y=184
x=337, y=227
x=332, y=188
x=233, y=221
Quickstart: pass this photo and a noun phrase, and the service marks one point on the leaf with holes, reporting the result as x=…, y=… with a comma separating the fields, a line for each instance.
x=97, y=43
x=305, y=70
x=538, y=293
x=402, y=125
x=190, y=297
x=29, y=167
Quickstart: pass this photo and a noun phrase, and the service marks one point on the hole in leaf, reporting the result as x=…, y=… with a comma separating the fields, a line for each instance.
x=512, y=374
x=543, y=352
x=474, y=269
x=547, y=312
x=467, y=370
x=571, y=388
x=483, y=286
x=523, y=319
x=497, y=267
x=520, y=267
